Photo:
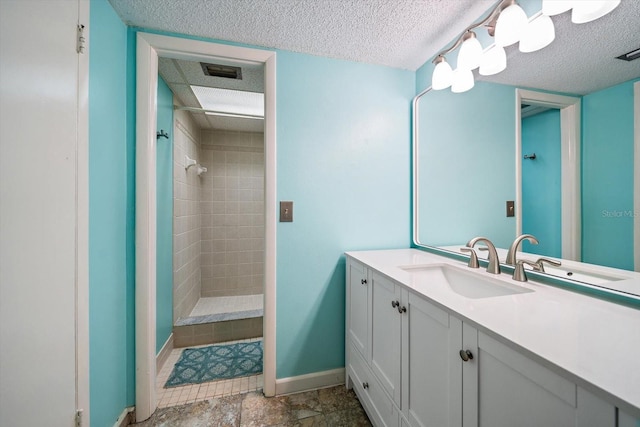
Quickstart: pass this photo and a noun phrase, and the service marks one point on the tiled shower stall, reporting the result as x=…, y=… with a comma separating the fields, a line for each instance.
x=218, y=265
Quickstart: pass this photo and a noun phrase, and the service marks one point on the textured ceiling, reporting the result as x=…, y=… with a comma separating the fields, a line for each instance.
x=396, y=33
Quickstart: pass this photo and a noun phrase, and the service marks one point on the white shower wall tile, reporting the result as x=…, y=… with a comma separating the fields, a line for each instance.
x=233, y=208
x=187, y=220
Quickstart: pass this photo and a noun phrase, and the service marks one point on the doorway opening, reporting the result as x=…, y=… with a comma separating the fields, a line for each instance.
x=150, y=48
x=569, y=163
x=210, y=177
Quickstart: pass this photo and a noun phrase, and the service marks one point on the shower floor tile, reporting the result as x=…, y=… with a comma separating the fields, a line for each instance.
x=218, y=305
x=191, y=393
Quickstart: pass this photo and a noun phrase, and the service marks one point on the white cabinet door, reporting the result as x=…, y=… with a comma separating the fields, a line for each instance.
x=504, y=388
x=432, y=371
x=39, y=163
x=386, y=328
x=512, y=390
x=359, y=308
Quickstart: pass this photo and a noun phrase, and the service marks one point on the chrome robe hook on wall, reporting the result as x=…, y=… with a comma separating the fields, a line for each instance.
x=162, y=134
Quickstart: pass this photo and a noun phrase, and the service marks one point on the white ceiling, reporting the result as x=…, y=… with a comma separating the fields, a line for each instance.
x=397, y=33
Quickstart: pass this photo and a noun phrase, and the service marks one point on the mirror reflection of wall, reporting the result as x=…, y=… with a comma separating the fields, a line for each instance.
x=541, y=172
x=466, y=172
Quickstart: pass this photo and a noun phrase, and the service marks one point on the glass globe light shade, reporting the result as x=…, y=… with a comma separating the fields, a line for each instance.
x=556, y=7
x=462, y=80
x=493, y=61
x=537, y=34
x=442, y=74
x=590, y=10
x=470, y=52
x=510, y=25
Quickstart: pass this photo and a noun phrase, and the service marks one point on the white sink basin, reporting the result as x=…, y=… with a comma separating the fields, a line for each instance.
x=463, y=282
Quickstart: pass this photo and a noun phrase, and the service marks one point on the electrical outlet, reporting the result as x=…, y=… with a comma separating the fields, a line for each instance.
x=286, y=211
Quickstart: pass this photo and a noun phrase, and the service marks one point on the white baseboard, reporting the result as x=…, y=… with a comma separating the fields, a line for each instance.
x=312, y=381
x=126, y=418
x=164, y=353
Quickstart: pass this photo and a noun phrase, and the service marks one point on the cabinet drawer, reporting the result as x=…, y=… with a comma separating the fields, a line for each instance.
x=377, y=403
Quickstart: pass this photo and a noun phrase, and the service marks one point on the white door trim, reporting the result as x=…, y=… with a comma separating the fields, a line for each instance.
x=570, y=114
x=82, y=223
x=149, y=47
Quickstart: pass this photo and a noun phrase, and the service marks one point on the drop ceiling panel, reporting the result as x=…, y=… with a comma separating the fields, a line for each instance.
x=184, y=94
x=233, y=123
x=201, y=120
x=169, y=71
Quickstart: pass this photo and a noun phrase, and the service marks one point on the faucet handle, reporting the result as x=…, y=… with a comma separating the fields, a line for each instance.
x=539, y=264
x=473, y=257
x=518, y=273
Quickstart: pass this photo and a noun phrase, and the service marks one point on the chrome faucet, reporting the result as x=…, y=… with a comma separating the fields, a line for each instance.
x=539, y=264
x=494, y=262
x=518, y=273
x=511, y=255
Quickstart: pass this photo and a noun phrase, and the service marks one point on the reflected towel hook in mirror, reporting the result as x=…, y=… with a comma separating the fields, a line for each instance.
x=162, y=134
x=530, y=156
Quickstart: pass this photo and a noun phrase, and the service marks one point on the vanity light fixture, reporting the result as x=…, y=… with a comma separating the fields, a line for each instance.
x=470, y=52
x=493, y=61
x=556, y=7
x=462, y=80
x=508, y=23
x=442, y=74
x=590, y=10
x=583, y=10
x=538, y=33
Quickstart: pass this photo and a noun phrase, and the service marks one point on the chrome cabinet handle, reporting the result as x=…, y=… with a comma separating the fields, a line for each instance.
x=402, y=309
x=395, y=304
x=363, y=281
x=365, y=385
x=466, y=355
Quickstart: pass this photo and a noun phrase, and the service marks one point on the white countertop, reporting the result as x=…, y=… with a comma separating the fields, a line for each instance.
x=594, y=342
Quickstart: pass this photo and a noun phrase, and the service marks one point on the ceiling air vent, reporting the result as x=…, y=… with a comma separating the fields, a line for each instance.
x=630, y=56
x=224, y=71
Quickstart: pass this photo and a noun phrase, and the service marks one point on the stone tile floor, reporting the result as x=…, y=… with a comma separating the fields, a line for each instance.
x=329, y=407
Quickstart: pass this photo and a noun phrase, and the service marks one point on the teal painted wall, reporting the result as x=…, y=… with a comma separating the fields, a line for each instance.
x=164, y=204
x=343, y=158
x=343, y=135
x=475, y=136
x=607, y=177
x=111, y=209
x=541, y=183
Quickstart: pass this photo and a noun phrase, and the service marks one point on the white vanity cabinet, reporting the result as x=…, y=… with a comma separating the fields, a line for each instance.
x=407, y=366
x=372, y=343
x=358, y=313
x=503, y=387
x=431, y=366
x=388, y=311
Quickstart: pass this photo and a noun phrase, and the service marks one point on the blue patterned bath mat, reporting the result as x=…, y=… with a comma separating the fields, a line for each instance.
x=200, y=365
